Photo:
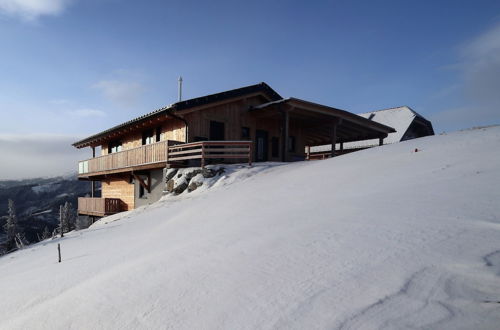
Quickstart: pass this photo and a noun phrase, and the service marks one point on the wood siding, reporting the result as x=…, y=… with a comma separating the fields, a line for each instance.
x=119, y=188
x=171, y=129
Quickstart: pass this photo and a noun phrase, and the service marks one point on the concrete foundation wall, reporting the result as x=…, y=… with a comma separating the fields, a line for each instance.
x=157, y=187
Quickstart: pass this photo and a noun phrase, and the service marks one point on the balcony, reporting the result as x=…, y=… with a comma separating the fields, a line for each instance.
x=99, y=207
x=165, y=153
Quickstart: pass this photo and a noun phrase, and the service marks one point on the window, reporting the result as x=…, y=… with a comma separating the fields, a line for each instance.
x=245, y=133
x=148, y=137
x=200, y=138
x=275, y=147
x=114, y=146
x=291, y=143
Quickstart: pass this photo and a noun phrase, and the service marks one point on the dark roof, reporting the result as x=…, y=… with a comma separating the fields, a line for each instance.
x=182, y=105
x=345, y=115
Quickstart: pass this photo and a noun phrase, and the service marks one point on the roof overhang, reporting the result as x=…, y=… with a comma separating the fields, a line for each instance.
x=319, y=118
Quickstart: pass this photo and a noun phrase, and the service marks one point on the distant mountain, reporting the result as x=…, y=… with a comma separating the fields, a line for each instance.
x=37, y=201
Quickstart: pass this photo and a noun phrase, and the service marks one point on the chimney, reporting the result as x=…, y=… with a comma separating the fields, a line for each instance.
x=180, y=88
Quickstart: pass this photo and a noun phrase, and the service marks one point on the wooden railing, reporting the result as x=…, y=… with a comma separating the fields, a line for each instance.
x=167, y=152
x=205, y=150
x=99, y=206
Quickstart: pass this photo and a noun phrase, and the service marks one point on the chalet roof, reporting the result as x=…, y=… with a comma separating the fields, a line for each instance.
x=400, y=118
x=182, y=105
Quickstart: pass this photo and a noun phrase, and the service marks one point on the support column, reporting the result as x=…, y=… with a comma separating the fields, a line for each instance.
x=334, y=138
x=92, y=190
x=341, y=146
x=285, y=146
x=380, y=141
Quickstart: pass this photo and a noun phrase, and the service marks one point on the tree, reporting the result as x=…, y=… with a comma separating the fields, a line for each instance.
x=46, y=234
x=11, y=228
x=66, y=218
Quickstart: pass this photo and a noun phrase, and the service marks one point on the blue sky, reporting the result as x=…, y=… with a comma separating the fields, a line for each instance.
x=70, y=68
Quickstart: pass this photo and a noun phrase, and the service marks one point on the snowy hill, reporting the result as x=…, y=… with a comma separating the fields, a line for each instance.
x=383, y=238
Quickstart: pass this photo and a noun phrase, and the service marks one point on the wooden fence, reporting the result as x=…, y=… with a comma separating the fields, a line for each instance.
x=205, y=150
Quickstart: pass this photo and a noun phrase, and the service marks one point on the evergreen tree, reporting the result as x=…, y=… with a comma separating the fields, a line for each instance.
x=66, y=218
x=11, y=227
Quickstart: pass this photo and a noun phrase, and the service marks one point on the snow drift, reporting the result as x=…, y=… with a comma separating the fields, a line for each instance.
x=382, y=238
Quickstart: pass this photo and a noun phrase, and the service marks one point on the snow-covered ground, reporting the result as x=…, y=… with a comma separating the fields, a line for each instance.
x=383, y=238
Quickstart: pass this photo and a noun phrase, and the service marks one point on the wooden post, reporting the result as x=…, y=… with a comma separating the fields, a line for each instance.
x=334, y=138
x=59, y=251
x=92, y=183
x=308, y=152
x=380, y=141
x=166, y=152
x=341, y=146
x=250, y=153
x=286, y=122
x=202, y=155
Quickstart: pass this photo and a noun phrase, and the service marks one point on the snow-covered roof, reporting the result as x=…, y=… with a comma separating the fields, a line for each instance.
x=399, y=118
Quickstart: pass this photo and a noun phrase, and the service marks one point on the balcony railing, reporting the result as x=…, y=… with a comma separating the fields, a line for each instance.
x=166, y=152
x=99, y=206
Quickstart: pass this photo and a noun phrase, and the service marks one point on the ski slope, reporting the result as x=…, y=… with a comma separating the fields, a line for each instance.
x=385, y=238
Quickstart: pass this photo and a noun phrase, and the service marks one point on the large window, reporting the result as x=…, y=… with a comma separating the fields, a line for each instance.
x=114, y=146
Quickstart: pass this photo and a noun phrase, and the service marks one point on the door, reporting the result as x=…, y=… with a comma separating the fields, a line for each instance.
x=216, y=131
x=261, y=148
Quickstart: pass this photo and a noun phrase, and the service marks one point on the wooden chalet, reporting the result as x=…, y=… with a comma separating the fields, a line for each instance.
x=249, y=124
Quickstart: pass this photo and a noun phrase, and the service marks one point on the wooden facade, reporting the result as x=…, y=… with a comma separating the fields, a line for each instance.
x=251, y=124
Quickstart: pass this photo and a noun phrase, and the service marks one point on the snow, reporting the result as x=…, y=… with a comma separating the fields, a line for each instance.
x=399, y=118
x=382, y=238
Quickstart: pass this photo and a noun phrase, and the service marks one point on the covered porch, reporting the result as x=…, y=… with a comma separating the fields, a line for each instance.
x=316, y=125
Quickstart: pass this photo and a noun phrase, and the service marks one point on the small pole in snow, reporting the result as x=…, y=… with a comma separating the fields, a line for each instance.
x=59, y=251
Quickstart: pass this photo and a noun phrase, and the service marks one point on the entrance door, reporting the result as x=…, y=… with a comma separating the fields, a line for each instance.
x=216, y=131
x=261, y=146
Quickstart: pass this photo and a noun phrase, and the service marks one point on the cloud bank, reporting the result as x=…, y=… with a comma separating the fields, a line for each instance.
x=478, y=87
x=38, y=156
x=32, y=9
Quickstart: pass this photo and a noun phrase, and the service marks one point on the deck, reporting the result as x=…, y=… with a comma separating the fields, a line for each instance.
x=99, y=207
x=162, y=154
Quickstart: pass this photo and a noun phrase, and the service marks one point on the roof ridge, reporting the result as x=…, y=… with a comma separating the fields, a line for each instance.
x=402, y=106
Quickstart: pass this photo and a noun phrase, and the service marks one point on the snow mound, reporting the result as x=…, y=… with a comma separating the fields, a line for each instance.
x=382, y=238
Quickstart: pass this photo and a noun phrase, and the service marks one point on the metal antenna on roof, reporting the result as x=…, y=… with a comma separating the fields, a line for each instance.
x=180, y=88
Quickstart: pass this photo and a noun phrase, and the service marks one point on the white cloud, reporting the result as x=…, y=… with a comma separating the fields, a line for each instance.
x=478, y=85
x=121, y=92
x=28, y=156
x=87, y=113
x=32, y=9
